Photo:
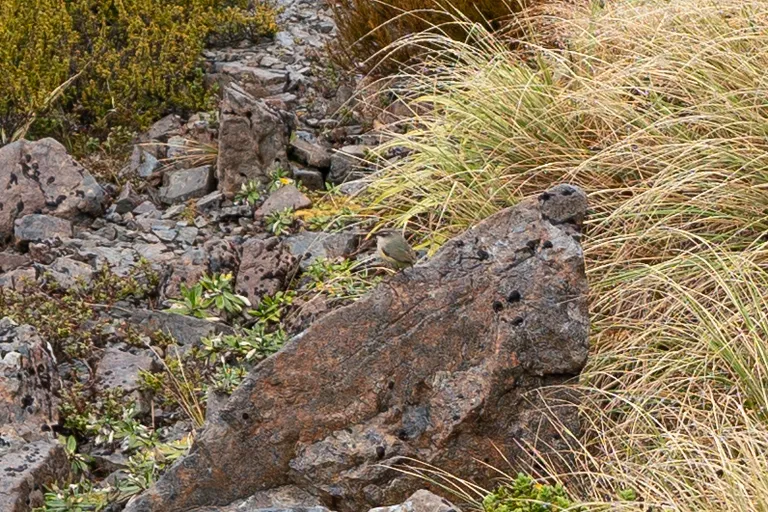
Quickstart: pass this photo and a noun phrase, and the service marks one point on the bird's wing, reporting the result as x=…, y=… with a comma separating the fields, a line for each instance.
x=400, y=254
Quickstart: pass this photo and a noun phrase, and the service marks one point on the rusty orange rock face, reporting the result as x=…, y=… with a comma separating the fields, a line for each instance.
x=437, y=364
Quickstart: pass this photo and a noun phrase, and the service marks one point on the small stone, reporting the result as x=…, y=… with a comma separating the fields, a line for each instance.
x=154, y=253
x=127, y=200
x=310, y=178
x=187, y=235
x=287, y=196
x=210, y=202
x=164, y=232
x=142, y=162
x=232, y=212
x=165, y=128
x=310, y=246
x=269, y=61
x=147, y=207
x=173, y=211
x=348, y=164
x=68, y=272
x=351, y=188
x=119, y=369
x=36, y=227
x=114, y=218
x=420, y=501
x=186, y=184
x=285, y=39
x=150, y=238
x=313, y=155
x=326, y=27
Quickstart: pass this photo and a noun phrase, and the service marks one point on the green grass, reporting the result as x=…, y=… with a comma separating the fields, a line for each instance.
x=660, y=111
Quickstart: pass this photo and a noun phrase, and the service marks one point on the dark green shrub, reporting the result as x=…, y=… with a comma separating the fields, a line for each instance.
x=35, y=38
x=135, y=59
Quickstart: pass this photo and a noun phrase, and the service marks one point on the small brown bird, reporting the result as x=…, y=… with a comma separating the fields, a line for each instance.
x=395, y=250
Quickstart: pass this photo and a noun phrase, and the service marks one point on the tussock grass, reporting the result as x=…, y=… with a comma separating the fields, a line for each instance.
x=660, y=111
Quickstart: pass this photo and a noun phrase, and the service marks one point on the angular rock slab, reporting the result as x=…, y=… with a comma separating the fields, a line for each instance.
x=40, y=177
x=265, y=268
x=28, y=383
x=252, y=141
x=440, y=364
x=26, y=470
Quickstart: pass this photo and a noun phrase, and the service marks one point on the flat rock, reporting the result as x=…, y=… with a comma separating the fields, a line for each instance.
x=147, y=208
x=259, y=82
x=36, y=227
x=165, y=128
x=439, y=364
x=18, y=279
x=282, y=499
x=309, y=246
x=185, y=184
x=40, y=177
x=120, y=369
x=287, y=196
x=311, y=154
x=12, y=260
x=68, y=272
x=186, y=330
x=142, y=162
x=209, y=202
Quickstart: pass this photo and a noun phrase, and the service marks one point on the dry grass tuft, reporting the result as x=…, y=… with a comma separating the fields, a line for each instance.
x=660, y=111
x=368, y=28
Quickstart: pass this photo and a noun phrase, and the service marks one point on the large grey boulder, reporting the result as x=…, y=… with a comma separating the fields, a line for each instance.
x=252, y=141
x=441, y=364
x=40, y=177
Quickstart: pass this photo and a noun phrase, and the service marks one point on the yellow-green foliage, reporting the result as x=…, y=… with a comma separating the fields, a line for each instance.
x=138, y=58
x=368, y=27
x=33, y=35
